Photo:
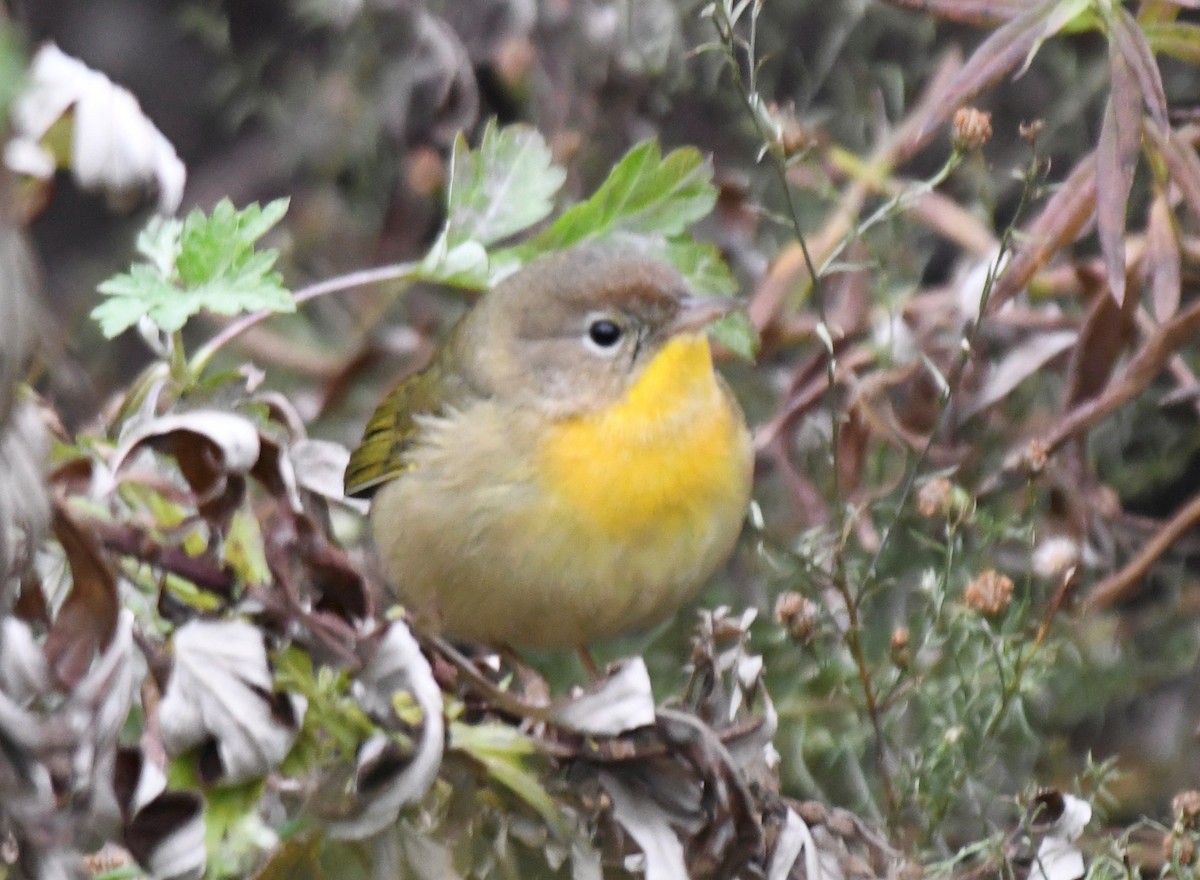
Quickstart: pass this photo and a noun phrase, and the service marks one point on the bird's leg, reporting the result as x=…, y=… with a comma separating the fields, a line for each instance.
x=589, y=663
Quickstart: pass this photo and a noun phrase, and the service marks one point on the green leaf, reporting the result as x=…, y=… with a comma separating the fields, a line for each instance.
x=465, y=264
x=507, y=185
x=503, y=751
x=700, y=263
x=1178, y=39
x=207, y=262
x=243, y=549
x=646, y=194
x=738, y=335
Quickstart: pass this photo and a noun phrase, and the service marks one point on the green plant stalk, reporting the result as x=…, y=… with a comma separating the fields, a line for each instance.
x=872, y=173
x=752, y=101
x=955, y=378
x=180, y=371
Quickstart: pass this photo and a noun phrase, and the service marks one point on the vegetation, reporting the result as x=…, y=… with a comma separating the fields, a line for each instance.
x=958, y=637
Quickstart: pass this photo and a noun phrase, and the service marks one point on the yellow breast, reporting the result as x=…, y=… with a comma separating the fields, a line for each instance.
x=661, y=458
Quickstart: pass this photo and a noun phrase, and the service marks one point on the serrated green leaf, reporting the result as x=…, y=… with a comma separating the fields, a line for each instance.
x=507, y=185
x=204, y=263
x=159, y=243
x=462, y=265
x=646, y=193
x=701, y=265
x=117, y=315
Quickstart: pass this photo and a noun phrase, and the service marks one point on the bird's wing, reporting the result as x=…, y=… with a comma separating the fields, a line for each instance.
x=392, y=429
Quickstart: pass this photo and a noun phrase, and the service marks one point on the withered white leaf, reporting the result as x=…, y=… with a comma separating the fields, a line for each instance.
x=650, y=827
x=623, y=701
x=397, y=666
x=114, y=146
x=794, y=838
x=167, y=836
x=23, y=671
x=1058, y=857
x=220, y=688
x=319, y=466
x=235, y=437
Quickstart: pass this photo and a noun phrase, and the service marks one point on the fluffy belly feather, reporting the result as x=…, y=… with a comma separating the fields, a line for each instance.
x=556, y=538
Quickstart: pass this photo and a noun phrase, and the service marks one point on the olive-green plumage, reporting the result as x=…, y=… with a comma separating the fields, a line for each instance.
x=569, y=466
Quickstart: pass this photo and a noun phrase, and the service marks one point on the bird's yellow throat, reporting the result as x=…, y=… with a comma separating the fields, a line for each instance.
x=658, y=457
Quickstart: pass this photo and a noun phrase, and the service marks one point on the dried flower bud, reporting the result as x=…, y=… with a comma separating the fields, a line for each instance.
x=1186, y=808
x=989, y=593
x=940, y=497
x=797, y=614
x=899, y=646
x=934, y=497
x=1030, y=130
x=1037, y=453
x=972, y=128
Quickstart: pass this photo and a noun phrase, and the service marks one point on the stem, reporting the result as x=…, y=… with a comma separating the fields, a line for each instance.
x=853, y=637
x=179, y=369
x=234, y=329
x=955, y=378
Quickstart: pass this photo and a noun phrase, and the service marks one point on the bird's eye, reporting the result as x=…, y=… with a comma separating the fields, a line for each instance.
x=604, y=333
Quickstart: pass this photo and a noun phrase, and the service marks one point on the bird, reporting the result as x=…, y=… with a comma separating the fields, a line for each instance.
x=569, y=467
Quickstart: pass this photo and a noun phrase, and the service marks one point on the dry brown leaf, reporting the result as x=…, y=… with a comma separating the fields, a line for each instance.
x=1163, y=264
x=1130, y=42
x=1018, y=365
x=1116, y=161
x=1182, y=163
x=214, y=450
x=984, y=13
x=1006, y=48
x=1140, y=371
x=87, y=620
x=1107, y=329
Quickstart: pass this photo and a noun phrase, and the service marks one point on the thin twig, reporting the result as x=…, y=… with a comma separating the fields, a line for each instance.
x=234, y=329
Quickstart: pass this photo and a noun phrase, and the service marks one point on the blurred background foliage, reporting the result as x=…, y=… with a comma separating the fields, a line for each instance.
x=351, y=108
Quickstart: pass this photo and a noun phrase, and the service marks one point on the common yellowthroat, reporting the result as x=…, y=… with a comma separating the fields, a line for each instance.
x=569, y=467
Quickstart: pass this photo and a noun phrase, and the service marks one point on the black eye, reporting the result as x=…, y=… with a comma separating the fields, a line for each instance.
x=604, y=333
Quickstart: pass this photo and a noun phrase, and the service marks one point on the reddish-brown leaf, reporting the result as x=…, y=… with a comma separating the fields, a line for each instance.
x=1129, y=41
x=1018, y=365
x=1116, y=160
x=1107, y=330
x=1060, y=222
x=1007, y=47
x=1163, y=269
x=982, y=13
x=87, y=619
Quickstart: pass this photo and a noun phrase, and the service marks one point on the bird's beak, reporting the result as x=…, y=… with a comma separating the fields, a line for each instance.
x=697, y=312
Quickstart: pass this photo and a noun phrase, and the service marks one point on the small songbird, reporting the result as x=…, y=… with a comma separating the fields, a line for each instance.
x=569, y=467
